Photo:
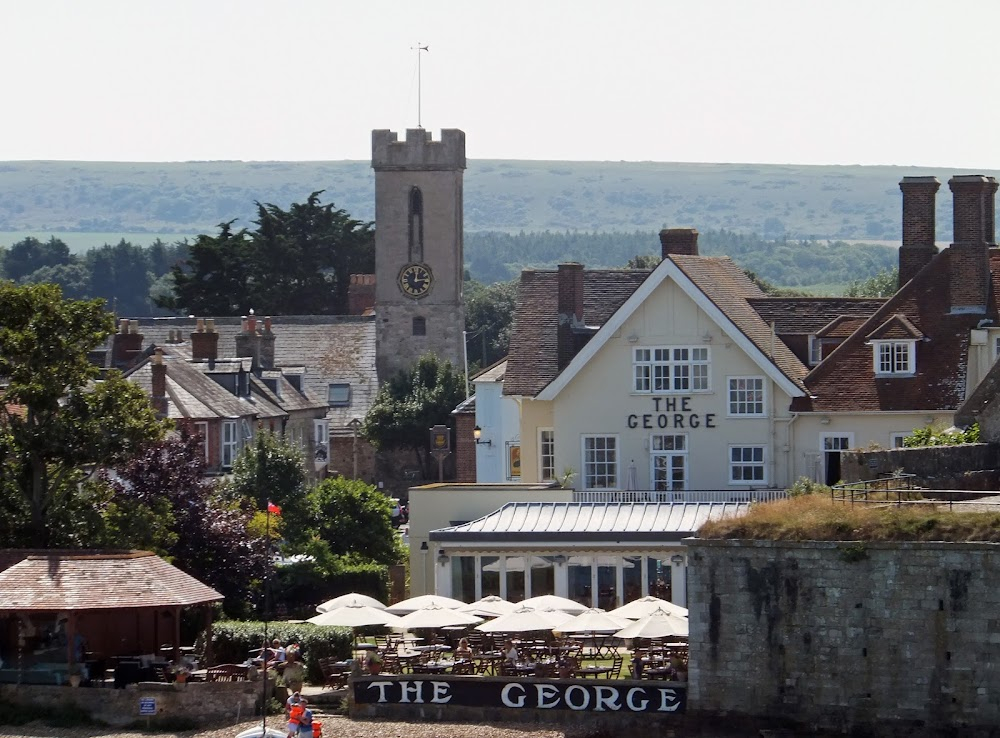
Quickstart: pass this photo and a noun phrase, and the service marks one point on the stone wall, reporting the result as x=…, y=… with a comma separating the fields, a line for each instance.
x=202, y=702
x=890, y=639
x=972, y=466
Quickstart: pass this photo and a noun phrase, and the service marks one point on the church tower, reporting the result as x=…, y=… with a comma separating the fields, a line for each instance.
x=418, y=248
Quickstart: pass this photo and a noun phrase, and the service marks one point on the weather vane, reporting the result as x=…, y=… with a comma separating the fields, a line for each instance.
x=418, y=49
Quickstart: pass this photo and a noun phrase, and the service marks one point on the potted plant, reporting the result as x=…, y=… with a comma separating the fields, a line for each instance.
x=181, y=672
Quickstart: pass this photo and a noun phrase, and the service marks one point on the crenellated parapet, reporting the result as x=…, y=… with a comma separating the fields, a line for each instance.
x=419, y=151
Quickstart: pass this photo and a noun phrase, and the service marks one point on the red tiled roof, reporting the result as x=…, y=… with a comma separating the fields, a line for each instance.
x=67, y=580
x=842, y=327
x=897, y=327
x=805, y=315
x=846, y=380
x=533, y=362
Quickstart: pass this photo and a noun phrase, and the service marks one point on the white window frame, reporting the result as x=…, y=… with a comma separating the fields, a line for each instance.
x=546, y=454
x=898, y=436
x=826, y=448
x=894, y=358
x=747, y=463
x=201, y=428
x=815, y=350
x=590, y=471
x=671, y=370
x=735, y=392
x=675, y=457
x=321, y=435
x=996, y=344
x=230, y=443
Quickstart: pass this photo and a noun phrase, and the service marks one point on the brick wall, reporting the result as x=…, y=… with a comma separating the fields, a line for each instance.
x=886, y=639
x=972, y=466
x=465, y=448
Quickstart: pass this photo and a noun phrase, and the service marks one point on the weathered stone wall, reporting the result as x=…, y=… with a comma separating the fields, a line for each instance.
x=971, y=466
x=201, y=702
x=895, y=639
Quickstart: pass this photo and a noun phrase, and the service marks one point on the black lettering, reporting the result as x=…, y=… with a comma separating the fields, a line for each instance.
x=694, y=421
x=678, y=420
x=647, y=421
x=662, y=421
x=656, y=404
x=686, y=404
x=633, y=421
x=669, y=404
x=709, y=420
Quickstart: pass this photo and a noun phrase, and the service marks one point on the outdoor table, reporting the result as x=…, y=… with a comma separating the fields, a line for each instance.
x=594, y=671
x=522, y=668
x=437, y=647
x=433, y=667
x=658, y=672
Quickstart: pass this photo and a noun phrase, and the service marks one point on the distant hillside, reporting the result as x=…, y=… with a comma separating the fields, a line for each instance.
x=799, y=202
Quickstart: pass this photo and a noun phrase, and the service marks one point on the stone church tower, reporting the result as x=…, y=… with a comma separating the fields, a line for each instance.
x=418, y=248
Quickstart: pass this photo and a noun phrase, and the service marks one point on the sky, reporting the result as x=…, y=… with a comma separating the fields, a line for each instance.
x=904, y=82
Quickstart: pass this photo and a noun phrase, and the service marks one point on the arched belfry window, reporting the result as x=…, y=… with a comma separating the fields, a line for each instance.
x=416, y=225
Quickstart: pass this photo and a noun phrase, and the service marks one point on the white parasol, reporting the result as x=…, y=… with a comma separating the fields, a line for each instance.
x=435, y=616
x=554, y=602
x=659, y=624
x=356, y=615
x=350, y=598
x=489, y=606
x=647, y=605
x=415, y=603
x=593, y=621
x=518, y=563
x=523, y=620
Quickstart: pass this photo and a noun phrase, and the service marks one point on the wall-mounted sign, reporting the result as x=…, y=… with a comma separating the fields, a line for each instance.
x=513, y=461
x=147, y=705
x=670, y=412
x=518, y=695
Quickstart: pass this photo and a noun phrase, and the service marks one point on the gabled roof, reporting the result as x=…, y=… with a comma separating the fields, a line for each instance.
x=897, y=327
x=845, y=380
x=62, y=580
x=493, y=373
x=807, y=315
x=533, y=358
x=605, y=522
x=332, y=349
x=841, y=327
x=721, y=290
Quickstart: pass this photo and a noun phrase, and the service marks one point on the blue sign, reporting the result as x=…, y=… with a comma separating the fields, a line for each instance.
x=147, y=705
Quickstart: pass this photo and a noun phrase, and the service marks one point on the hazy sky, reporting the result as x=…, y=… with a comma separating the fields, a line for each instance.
x=909, y=82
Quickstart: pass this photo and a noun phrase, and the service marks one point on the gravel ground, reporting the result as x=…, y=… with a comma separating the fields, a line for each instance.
x=333, y=727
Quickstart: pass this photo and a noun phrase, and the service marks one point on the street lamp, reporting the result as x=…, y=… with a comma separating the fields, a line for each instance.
x=354, y=425
x=477, y=433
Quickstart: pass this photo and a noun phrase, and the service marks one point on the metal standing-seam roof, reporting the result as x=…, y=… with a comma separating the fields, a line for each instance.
x=88, y=581
x=607, y=522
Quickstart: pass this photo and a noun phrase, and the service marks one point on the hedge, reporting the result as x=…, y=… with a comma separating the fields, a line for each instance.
x=233, y=640
x=297, y=588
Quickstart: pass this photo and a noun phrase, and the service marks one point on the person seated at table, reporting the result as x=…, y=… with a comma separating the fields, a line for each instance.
x=277, y=650
x=464, y=650
x=509, y=652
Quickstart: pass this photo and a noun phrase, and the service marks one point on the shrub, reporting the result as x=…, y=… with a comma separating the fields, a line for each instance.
x=233, y=640
x=301, y=586
x=806, y=486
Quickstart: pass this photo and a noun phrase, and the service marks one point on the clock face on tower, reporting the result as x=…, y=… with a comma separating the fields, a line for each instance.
x=415, y=280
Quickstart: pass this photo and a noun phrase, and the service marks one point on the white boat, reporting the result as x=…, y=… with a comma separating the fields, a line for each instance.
x=258, y=732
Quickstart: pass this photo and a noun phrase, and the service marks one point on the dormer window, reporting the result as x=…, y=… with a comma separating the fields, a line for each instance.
x=815, y=350
x=339, y=395
x=894, y=357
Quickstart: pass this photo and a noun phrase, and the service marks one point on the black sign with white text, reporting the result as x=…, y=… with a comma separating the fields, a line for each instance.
x=582, y=696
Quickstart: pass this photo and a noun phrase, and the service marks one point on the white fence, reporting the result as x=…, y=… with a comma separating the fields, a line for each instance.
x=677, y=496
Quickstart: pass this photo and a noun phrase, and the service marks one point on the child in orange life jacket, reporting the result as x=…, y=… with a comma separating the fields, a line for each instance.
x=305, y=720
x=295, y=708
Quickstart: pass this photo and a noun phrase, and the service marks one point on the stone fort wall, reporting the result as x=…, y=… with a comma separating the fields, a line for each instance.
x=889, y=639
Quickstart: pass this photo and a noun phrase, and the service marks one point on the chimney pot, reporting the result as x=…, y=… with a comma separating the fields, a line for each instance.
x=919, y=228
x=680, y=241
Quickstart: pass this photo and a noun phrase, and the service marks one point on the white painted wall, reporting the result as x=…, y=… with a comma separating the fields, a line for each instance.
x=499, y=420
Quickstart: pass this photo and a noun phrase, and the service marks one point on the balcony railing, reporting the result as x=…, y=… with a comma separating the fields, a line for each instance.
x=678, y=496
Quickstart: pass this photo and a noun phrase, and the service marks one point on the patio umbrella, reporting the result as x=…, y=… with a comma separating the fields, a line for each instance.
x=554, y=602
x=489, y=606
x=415, y=603
x=659, y=624
x=646, y=606
x=356, y=615
x=523, y=620
x=592, y=621
x=518, y=563
x=435, y=616
x=349, y=599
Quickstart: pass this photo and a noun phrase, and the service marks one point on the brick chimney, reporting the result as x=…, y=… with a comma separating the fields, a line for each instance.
x=974, y=232
x=267, y=345
x=570, y=302
x=248, y=341
x=205, y=341
x=126, y=344
x=918, y=225
x=159, y=389
x=681, y=241
x=361, y=294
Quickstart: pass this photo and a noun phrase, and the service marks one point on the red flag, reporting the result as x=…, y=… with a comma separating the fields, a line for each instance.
x=272, y=508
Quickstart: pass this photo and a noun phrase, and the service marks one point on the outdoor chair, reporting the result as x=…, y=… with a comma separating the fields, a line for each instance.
x=335, y=674
x=616, y=667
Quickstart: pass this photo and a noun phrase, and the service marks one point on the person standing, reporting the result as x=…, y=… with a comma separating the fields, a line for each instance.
x=305, y=720
x=294, y=673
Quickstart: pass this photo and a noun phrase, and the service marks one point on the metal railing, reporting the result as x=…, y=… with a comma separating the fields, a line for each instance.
x=680, y=496
x=900, y=489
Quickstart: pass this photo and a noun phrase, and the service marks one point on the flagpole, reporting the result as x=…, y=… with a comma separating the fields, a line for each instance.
x=419, y=48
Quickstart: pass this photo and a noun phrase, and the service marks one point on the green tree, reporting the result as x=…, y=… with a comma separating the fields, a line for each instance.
x=353, y=519
x=57, y=422
x=30, y=254
x=410, y=403
x=883, y=284
x=296, y=261
x=489, y=316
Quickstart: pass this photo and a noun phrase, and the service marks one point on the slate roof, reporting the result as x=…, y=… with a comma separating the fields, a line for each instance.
x=845, y=381
x=532, y=361
x=807, y=315
x=605, y=522
x=65, y=580
x=331, y=348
